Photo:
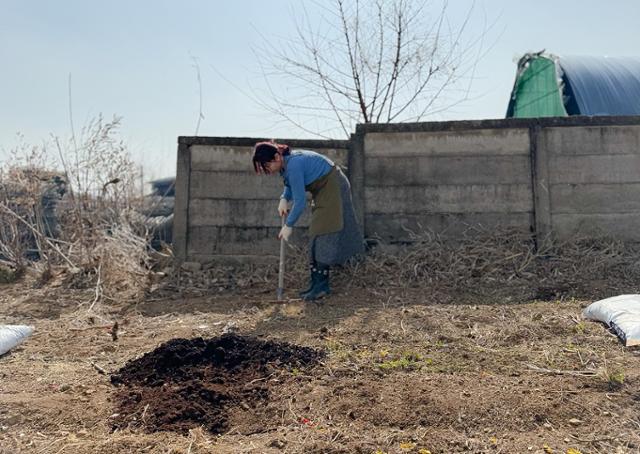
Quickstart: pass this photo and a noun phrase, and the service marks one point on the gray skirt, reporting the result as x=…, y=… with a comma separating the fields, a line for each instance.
x=338, y=247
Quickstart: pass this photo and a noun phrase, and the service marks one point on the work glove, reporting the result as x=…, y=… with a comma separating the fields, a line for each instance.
x=285, y=233
x=283, y=207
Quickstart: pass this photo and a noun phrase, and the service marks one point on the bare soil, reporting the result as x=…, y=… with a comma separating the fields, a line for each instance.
x=371, y=370
x=199, y=381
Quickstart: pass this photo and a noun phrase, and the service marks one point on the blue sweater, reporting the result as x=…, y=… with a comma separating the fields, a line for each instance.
x=301, y=168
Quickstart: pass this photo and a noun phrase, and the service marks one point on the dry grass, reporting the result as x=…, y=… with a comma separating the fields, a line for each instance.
x=123, y=263
x=505, y=263
x=80, y=216
x=444, y=378
x=493, y=265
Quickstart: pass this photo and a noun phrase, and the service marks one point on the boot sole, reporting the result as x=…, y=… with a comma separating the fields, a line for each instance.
x=317, y=297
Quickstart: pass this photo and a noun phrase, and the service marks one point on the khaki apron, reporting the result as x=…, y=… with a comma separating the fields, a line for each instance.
x=326, y=205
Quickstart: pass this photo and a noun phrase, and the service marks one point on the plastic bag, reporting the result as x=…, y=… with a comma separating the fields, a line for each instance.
x=12, y=335
x=621, y=314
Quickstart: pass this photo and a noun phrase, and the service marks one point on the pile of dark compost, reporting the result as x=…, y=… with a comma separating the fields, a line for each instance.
x=187, y=383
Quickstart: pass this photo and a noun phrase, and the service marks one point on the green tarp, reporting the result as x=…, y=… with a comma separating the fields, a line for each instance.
x=536, y=92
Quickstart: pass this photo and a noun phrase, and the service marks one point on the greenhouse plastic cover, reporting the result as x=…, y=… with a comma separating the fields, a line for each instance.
x=604, y=85
x=621, y=314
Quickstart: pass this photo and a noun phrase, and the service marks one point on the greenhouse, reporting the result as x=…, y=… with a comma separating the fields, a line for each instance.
x=550, y=86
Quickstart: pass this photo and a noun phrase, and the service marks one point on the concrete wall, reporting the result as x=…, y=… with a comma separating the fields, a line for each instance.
x=569, y=176
x=589, y=179
x=446, y=181
x=224, y=211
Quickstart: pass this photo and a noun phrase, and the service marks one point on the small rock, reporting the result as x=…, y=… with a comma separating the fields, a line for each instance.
x=13, y=420
x=575, y=422
x=65, y=387
x=157, y=277
x=230, y=327
x=277, y=443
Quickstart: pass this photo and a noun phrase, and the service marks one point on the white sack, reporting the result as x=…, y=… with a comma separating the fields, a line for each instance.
x=12, y=335
x=621, y=314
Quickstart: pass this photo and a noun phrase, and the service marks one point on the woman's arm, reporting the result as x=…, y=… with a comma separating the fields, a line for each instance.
x=296, y=186
x=286, y=194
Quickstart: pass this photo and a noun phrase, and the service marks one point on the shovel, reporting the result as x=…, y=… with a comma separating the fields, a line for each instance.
x=280, y=290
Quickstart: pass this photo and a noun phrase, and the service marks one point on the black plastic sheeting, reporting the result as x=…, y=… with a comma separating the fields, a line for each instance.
x=601, y=85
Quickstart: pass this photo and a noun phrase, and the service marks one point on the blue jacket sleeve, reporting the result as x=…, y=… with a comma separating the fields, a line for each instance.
x=296, y=185
x=286, y=194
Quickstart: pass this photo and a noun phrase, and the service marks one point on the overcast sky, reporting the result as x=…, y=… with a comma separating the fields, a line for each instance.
x=135, y=59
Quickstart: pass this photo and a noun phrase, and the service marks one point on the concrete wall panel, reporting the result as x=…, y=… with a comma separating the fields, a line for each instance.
x=470, y=142
x=207, y=240
x=449, y=198
x=234, y=185
x=237, y=213
x=221, y=158
x=590, y=140
x=435, y=170
x=595, y=198
x=238, y=158
x=391, y=227
x=622, y=226
x=620, y=168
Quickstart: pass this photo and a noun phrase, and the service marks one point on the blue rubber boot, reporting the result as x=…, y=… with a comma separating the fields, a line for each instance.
x=320, y=287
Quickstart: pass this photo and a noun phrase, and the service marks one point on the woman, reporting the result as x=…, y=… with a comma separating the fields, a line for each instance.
x=334, y=233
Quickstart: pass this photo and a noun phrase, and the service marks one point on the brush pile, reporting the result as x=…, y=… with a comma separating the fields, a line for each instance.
x=481, y=265
x=78, y=222
x=504, y=263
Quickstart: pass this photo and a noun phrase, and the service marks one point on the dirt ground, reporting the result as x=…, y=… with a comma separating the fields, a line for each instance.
x=395, y=372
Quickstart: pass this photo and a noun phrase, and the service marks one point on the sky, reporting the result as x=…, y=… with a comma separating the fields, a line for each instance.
x=68, y=61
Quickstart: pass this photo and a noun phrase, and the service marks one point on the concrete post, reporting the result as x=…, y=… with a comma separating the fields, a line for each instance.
x=357, y=176
x=540, y=183
x=181, y=210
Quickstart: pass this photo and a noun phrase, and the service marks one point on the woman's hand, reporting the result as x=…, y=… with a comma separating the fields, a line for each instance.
x=285, y=233
x=283, y=207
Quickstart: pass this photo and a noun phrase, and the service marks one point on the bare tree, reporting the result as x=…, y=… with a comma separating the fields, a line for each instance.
x=376, y=61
